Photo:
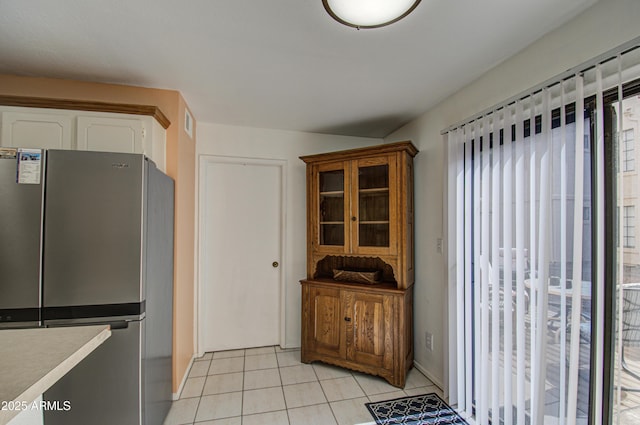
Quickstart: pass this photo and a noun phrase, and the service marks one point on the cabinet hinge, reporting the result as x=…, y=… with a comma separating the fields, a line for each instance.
x=144, y=133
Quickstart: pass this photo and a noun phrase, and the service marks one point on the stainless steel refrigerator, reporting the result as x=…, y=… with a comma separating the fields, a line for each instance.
x=89, y=242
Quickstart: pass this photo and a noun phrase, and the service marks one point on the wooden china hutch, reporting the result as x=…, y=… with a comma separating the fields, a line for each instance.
x=357, y=299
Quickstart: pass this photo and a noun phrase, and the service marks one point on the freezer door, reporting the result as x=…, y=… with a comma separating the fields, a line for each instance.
x=105, y=388
x=20, y=238
x=93, y=229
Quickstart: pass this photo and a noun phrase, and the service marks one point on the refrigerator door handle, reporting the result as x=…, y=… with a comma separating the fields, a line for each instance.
x=96, y=320
x=114, y=325
x=123, y=324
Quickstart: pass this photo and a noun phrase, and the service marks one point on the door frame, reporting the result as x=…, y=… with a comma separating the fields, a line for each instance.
x=204, y=161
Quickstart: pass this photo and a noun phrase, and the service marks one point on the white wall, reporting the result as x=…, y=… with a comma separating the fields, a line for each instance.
x=225, y=140
x=604, y=26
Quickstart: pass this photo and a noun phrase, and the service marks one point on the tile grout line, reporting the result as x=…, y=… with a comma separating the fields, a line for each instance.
x=325, y=395
x=244, y=365
x=281, y=386
x=282, y=390
x=195, y=416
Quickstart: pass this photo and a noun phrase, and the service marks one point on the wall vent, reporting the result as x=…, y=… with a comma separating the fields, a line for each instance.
x=188, y=123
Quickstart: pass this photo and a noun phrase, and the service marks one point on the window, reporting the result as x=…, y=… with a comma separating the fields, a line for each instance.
x=628, y=148
x=622, y=365
x=629, y=226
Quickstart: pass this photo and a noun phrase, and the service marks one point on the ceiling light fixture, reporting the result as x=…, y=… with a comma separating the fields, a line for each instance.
x=369, y=13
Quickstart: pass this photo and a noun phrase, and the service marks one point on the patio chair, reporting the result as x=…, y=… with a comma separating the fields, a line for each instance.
x=555, y=317
x=502, y=299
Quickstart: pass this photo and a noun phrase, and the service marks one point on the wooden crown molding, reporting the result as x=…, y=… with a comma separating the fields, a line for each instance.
x=358, y=152
x=85, y=105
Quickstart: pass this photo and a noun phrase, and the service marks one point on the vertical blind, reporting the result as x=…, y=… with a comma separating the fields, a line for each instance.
x=523, y=264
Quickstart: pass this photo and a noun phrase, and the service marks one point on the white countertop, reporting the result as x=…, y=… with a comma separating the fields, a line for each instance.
x=32, y=360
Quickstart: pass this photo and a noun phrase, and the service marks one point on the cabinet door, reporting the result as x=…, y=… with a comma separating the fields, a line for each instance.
x=331, y=204
x=369, y=323
x=38, y=131
x=326, y=334
x=374, y=205
x=107, y=134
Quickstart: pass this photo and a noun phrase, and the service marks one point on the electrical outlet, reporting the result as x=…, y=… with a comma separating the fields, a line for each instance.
x=428, y=337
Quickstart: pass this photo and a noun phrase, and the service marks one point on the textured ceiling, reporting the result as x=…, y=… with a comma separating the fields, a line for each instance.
x=281, y=64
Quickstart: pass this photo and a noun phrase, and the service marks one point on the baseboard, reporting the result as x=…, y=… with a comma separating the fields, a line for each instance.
x=176, y=395
x=290, y=345
x=426, y=373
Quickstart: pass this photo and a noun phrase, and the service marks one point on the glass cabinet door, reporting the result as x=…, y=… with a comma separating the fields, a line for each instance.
x=373, y=205
x=332, y=206
x=373, y=197
x=355, y=206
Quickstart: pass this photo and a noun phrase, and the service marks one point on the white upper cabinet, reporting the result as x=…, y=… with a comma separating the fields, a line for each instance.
x=39, y=128
x=36, y=130
x=110, y=134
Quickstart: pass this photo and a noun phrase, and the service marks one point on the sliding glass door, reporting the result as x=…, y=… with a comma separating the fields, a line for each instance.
x=529, y=231
x=623, y=143
x=544, y=251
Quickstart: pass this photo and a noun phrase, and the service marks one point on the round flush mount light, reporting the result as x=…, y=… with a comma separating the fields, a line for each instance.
x=369, y=13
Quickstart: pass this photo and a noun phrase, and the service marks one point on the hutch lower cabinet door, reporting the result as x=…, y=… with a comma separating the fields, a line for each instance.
x=367, y=329
x=326, y=334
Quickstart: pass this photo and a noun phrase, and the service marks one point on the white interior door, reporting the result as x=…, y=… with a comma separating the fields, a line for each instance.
x=240, y=253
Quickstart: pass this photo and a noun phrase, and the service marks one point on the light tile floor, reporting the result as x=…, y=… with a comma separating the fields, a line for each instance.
x=268, y=385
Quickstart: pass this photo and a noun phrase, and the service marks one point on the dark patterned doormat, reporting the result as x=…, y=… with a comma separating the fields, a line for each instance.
x=427, y=409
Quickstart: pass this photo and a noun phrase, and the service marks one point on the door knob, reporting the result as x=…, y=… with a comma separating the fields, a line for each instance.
x=275, y=264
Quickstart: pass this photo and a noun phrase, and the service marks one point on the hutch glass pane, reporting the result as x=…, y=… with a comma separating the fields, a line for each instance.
x=332, y=207
x=374, y=234
x=373, y=205
x=332, y=181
